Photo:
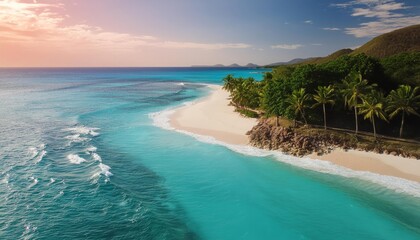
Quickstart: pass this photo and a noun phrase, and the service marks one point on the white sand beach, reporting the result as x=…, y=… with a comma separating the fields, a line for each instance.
x=213, y=116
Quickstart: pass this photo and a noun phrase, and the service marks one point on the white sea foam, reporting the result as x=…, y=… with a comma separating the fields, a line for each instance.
x=105, y=170
x=91, y=149
x=77, y=138
x=34, y=182
x=83, y=130
x=37, y=152
x=52, y=180
x=33, y=152
x=75, y=159
x=61, y=193
x=81, y=133
x=95, y=177
x=5, y=180
x=161, y=119
x=96, y=157
x=40, y=156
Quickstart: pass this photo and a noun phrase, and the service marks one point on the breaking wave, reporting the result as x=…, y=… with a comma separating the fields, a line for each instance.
x=75, y=159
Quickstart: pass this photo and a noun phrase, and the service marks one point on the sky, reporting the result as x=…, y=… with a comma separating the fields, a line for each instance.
x=153, y=33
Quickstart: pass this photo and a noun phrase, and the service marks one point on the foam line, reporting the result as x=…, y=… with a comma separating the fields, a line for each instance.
x=161, y=120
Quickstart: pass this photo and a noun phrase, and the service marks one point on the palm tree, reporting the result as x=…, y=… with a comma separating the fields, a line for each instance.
x=405, y=100
x=251, y=93
x=324, y=95
x=372, y=107
x=229, y=83
x=239, y=93
x=353, y=88
x=298, y=101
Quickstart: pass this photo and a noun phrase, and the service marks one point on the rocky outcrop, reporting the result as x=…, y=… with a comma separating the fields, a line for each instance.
x=299, y=142
x=287, y=140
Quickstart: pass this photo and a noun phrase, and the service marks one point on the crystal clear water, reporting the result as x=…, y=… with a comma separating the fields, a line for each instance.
x=83, y=155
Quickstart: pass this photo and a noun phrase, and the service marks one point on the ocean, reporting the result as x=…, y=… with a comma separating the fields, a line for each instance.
x=86, y=153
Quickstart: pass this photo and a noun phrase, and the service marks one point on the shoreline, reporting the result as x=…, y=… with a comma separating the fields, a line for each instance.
x=212, y=116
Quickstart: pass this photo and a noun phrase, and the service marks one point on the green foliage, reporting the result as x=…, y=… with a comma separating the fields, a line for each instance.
x=373, y=107
x=248, y=113
x=306, y=76
x=403, y=68
x=245, y=92
x=286, y=79
x=353, y=88
x=298, y=102
x=324, y=95
x=370, y=68
x=345, y=76
x=404, y=100
x=273, y=98
x=229, y=83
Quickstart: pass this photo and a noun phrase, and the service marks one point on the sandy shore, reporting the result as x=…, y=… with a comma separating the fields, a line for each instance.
x=212, y=116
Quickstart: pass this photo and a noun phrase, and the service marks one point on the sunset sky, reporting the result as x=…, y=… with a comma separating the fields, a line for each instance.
x=70, y=33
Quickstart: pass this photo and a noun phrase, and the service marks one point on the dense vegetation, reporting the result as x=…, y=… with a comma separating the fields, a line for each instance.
x=385, y=92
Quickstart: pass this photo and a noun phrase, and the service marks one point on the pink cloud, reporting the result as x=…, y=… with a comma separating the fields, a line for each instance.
x=33, y=23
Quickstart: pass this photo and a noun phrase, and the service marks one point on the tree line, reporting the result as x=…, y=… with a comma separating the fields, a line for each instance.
x=357, y=83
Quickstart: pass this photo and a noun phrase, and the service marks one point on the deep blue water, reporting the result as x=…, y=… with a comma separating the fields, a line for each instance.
x=82, y=156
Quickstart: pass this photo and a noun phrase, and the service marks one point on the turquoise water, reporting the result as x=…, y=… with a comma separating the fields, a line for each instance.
x=83, y=155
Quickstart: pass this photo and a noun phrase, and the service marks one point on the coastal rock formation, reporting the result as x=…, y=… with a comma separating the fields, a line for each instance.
x=264, y=135
x=301, y=142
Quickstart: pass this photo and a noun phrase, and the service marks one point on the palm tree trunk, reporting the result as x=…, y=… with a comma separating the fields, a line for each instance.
x=402, y=124
x=325, y=117
x=303, y=116
x=277, y=121
x=355, y=118
x=374, y=128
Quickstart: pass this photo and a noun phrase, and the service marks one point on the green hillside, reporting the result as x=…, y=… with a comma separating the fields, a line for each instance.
x=402, y=40
x=390, y=59
x=329, y=58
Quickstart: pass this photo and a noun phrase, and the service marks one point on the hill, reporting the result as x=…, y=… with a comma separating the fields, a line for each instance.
x=329, y=58
x=291, y=62
x=251, y=65
x=235, y=65
x=402, y=40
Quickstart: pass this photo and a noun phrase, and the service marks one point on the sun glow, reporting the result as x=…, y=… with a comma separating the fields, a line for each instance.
x=38, y=31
